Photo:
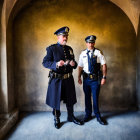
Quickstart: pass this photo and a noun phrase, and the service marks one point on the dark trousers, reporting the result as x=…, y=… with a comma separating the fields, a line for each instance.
x=91, y=86
x=57, y=113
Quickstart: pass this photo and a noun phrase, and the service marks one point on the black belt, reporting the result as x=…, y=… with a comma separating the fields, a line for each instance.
x=60, y=76
x=90, y=76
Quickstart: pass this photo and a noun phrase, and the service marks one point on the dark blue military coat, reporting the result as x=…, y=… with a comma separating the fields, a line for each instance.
x=60, y=89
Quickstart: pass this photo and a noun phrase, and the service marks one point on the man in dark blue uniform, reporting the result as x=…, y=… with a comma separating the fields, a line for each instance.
x=61, y=62
x=89, y=65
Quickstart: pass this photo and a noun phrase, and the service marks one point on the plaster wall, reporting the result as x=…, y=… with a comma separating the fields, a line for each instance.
x=33, y=30
x=138, y=67
x=131, y=9
x=1, y=95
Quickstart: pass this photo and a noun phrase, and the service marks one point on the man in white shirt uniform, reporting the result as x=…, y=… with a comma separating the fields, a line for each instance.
x=90, y=62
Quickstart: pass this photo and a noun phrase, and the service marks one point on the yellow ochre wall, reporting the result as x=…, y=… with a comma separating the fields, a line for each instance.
x=33, y=30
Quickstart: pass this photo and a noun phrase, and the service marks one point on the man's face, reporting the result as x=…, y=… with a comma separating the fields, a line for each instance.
x=62, y=39
x=90, y=45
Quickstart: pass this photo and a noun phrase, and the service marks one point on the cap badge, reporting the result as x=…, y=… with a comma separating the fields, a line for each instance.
x=91, y=38
x=66, y=29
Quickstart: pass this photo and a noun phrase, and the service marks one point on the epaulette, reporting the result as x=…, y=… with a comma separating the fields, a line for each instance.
x=97, y=49
x=100, y=51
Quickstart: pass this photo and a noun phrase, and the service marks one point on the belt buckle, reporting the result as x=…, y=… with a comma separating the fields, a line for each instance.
x=55, y=75
x=65, y=76
x=91, y=76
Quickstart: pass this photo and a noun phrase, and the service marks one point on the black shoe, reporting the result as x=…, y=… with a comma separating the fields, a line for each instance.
x=75, y=120
x=86, y=119
x=101, y=121
x=57, y=123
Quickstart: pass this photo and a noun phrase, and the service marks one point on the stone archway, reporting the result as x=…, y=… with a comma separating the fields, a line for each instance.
x=10, y=9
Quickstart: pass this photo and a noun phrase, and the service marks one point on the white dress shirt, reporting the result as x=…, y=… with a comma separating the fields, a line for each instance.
x=83, y=59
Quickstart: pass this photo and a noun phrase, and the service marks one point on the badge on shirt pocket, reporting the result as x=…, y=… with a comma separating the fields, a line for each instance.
x=94, y=56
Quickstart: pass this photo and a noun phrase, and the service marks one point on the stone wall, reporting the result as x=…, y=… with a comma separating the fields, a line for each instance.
x=33, y=32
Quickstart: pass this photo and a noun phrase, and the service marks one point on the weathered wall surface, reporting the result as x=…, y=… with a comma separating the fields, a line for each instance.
x=33, y=32
x=138, y=66
x=1, y=95
x=10, y=51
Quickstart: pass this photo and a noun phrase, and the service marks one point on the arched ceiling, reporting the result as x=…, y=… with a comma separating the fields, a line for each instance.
x=130, y=7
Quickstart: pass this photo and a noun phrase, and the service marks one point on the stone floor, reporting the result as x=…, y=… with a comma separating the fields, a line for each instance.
x=8, y=122
x=39, y=126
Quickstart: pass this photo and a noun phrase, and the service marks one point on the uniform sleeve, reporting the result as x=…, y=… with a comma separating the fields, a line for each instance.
x=75, y=64
x=73, y=58
x=80, y=63
x=48, y=60
x=101, y=58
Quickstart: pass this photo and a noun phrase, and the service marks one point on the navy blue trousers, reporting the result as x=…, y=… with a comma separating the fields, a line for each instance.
x=91, y=87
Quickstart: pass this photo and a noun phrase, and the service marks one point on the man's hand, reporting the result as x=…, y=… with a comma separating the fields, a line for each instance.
x=103, y=81
x=80, y=81
x=60, y=63
x=72, y=63
x=80, y=69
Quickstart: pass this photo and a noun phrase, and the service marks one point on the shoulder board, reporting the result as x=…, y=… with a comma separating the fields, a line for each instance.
x=99, y=51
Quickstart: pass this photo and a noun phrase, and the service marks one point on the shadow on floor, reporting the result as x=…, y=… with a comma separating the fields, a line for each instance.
x=39, y=126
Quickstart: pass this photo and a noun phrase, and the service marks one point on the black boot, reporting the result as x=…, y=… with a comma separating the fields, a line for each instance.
x=101, y=121
x=57, y=122
x=56, y=114
x=71, y=117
